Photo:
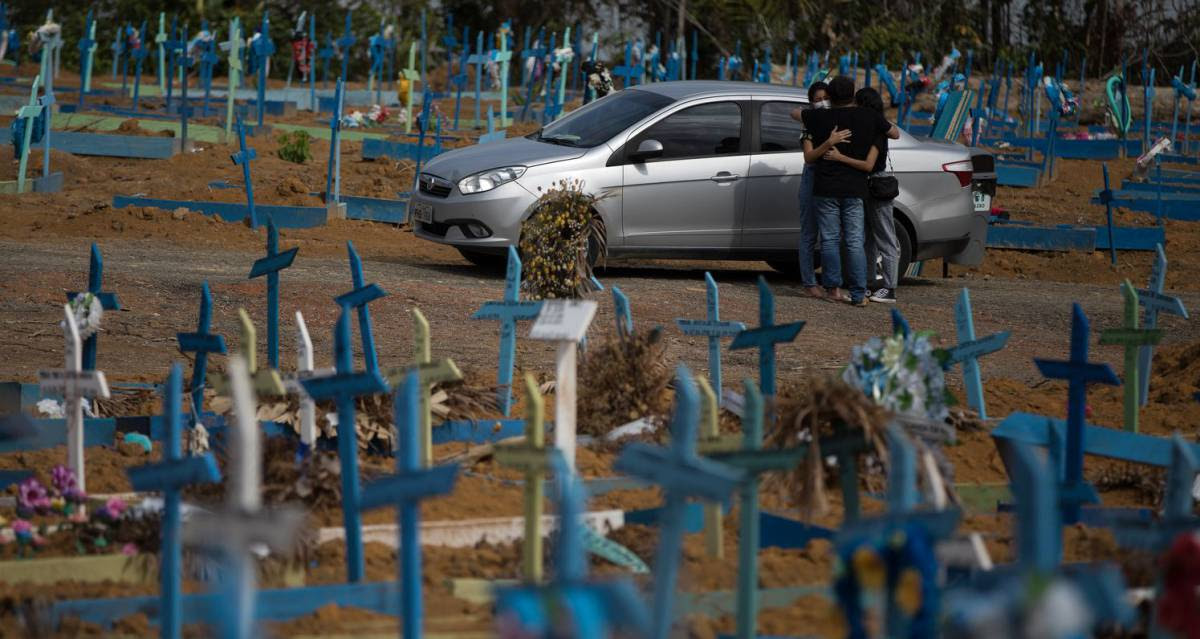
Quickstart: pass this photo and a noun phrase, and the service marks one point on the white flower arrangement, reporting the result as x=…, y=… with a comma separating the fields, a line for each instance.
x=902, y=374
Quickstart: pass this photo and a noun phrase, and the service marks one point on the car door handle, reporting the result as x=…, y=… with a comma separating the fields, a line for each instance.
x=724, y=176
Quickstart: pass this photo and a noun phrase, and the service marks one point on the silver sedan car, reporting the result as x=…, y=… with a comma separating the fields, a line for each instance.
x=691, y=170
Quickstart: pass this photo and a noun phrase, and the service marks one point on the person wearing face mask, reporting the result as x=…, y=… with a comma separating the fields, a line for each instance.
x=818, y=97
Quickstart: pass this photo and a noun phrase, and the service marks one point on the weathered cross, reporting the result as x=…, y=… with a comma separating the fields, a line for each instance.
x=1155, y=302
x=267, y=381
x=622, y=313
x=139, y=58
x=309, y=50
x=682, y=475
x=449, y=41
x=412, y=75
x=108, y=302
x=765, y=338
x=428, y=373
x=294, y=383
x=202, y=342
x=1078, y=372
x=47, y=101
x=970, y=349
x=344, y=43
x=631, y=72
x=358, y=299
x=343, y=388
x=459, y=80
x=270, y=266
x=563, y=57
x=504, y=58
x=533, y=459
x=208, y=60
x=185, y=109
x=714, y=329
x=243, y=158
x=479, y=59
x=173, y=47
x=28, y=113
x=405, y=490
x=1133, y=339
x=73, y=382
x=376, y=50
x=333, y=179
x=243, y=525
x=564, y=322
x=508, y=312
x=118, y=48
x=325, y=54
x=235, y=71
x=87, y=55
x=1106, y=198
x=161, y=40
x=710, y=436
x=170, y=477
x=263, y=49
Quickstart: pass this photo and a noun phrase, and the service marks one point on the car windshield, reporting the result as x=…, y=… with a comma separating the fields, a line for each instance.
x=599, y=121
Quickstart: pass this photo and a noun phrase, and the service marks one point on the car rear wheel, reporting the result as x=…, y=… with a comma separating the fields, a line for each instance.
x=490, y=261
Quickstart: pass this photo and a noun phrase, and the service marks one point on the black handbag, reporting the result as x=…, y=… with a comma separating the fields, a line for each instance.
x=883, y=187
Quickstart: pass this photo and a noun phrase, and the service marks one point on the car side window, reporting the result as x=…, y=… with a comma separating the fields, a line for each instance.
x=777, y=130
x=704, y=130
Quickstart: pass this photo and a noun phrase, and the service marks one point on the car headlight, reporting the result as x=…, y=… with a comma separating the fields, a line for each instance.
x=490, y=179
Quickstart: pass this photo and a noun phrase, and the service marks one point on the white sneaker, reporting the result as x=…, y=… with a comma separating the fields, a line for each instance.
x=884, y=296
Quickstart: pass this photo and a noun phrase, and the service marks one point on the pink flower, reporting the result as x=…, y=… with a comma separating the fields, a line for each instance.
x=32, y=497
x=21, y=526
x=129, y=550
x=115, y=507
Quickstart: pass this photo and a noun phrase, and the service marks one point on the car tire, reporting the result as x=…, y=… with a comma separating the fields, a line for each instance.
x=490, y=261
x=905, y=241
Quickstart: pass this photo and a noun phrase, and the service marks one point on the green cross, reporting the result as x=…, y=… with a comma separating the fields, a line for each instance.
x=412, y=74
x=235, y=72
x=533, y=458
x=87, y=78
x=428, y=374
x=710, y=440
x=267, y=381
x=1132, y=338
x=161, y=39
x=564, y=58
x=28, y=113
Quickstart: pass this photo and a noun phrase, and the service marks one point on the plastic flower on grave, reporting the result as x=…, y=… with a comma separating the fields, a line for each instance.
x=32, y=498
x=114, y=507
x=23, y=531
x=63, y=480
x=58, y=504
x=901, y=374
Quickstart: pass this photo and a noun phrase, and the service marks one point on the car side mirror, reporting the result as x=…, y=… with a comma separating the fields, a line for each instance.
x=647, y=150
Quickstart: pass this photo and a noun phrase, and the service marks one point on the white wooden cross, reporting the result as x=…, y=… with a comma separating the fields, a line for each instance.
x=235, y=72
x=243, y=526
x=74, y=383
x=305, y=370
x=564, y=322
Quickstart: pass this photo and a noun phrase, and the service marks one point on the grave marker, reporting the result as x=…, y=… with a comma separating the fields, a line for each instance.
x=202, y=342
x=263, y=49
x=74, y=382
x=533, y=459
x=969, y=350
x=173, y=46
x=508, y=312
x=333, y=179
x=376, y=51
x=108, y=302
x=428, y=373
x=235, y=73
x=479, y=59
x=564, y=59
x=309, y=52
x=1133, y=339
x=294, y=383
x=358, y=298
x=243, y=526
x=1106, y=198
x=681, y=474
x=344, y=43
x=170, y=477
x=270, y=266
x=503, y=57
x=267, y=381
x=118, y=48
x=87, y=55
x=564, y=322
x=243, y=158
x=630, y=72
x=343, y=388
x=161, y=40
x=1155, y=302
x=1078, y=372
x=710, y=431
x=47, y=102
x=325, y=54
x=405, y=490
x=185, y=109
x=410, y=73
x=714, y=329
x=765, y=338
x=623, y=315
x=28, y=113
x=459, y=80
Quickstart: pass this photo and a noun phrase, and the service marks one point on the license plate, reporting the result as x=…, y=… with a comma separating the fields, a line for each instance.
x=983, y=202
x=422, y=212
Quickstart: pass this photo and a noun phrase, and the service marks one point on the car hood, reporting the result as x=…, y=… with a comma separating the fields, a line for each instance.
x=459, y=163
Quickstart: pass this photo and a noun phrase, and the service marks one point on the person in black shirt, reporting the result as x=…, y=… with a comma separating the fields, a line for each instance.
x=882, y=248
x=840, y=185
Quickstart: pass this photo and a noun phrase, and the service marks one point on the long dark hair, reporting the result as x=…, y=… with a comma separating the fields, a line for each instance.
x=870, y=98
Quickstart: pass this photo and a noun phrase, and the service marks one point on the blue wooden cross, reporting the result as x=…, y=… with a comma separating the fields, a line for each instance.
x=765, y=338
x=170, y=477
x=508, y=312
x=202, y=342
x=243, y=158
x=171, y=48
x=333, y=179
x=325, y=54
x=695, y=56
x=108, y=302
x=479, y=58
x=459, y=80
x=139, y=57
x=1154, y=301
x=714, y=329
x=1106, y=198
x=358, y=299
x=682, y=475
x=312, y=64
x=376, y=52
x=87, y=49
x=1177, y=516
x=118, y=49
x=185, y=110
x=208, y=61
x=263, y=49
x=630, y=72
x=1079, y=373
x=572, y=604
x=623, y=315
x=970, y=349
x=405, y=489
x=343, y=388
x=449, y=41
x=270, y=266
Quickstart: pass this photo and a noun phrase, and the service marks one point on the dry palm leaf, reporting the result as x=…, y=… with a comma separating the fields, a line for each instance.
x=623, y=379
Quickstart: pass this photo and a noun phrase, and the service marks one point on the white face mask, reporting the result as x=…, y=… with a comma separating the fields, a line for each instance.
x=823, y=104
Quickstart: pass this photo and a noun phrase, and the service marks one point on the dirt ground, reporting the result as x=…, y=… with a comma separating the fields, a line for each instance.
x=156, y=261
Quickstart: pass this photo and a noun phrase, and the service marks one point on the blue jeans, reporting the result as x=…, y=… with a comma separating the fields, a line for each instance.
x=882, y=246
x=841, y=219
x=808, y=228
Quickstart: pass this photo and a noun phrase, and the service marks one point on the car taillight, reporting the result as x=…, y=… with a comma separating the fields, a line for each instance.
x=961, y=170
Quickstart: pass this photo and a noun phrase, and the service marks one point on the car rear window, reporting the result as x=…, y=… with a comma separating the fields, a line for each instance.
x=777, y=130
x=599, y=121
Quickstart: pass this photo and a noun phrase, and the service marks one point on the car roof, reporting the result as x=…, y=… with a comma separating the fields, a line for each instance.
x=688, y=89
